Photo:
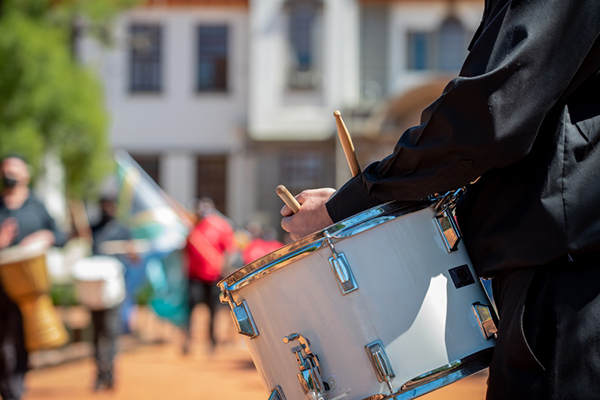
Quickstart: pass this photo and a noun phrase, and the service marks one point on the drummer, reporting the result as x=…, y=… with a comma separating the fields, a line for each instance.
x=23, y=220
x=524, y=115
x=106, y=323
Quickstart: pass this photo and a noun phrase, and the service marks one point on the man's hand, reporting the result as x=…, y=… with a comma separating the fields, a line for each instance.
x=312, y=216
x=9, y=229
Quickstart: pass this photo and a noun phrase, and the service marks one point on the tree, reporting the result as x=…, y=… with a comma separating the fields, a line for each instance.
x=48, y=101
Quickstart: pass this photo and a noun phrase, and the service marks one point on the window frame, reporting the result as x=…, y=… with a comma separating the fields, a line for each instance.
x=311, y=79
x=213, y=88
x=138, y=81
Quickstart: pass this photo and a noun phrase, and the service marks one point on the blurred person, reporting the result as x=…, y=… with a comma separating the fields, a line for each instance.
x=264, y=240
x=209, y=246
x=23, y=220
x=107, y=322
x=242, y=239
x=520, y=126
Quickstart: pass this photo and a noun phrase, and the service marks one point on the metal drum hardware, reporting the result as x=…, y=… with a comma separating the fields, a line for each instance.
x=485, y=319
x=241, y=315
x=277, y=394
x=308, y=363
x=431, y=375
x=381, y=363
x=448, y=229
x=341, y=268
x=445, y=221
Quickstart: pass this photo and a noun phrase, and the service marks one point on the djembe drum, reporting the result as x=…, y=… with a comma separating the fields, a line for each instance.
x=25, y=279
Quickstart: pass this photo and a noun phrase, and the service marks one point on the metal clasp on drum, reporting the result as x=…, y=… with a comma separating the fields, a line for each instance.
x=308, y=363
x=444, y=218
x=341, y=268
x=381, y=363
x=241, y=315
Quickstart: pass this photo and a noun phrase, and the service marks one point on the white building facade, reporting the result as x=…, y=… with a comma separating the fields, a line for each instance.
x=232, y=98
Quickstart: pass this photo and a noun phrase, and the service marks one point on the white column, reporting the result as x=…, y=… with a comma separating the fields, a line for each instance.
x=241, y=186
x=342, y=52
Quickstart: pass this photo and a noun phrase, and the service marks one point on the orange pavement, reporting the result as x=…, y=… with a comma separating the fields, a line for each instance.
x=161, y=372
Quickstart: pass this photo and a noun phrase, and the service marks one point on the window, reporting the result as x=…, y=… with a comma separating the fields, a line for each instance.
x=452, y=45
x=145, y=58
x=443, y=50
x=212, y=58
x=302, y=169
x=418, y=51
x=211, y=179
x=150, y=164
x=303, y=38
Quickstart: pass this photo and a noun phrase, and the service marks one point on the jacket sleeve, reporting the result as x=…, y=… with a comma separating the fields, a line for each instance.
x=60, y=239
x=489, y=116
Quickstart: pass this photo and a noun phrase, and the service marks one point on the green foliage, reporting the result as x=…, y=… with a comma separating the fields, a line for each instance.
x=48, y=101
x=144, y=294
x=63, y=294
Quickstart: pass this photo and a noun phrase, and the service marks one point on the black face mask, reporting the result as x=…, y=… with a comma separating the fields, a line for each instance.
x=9, y=182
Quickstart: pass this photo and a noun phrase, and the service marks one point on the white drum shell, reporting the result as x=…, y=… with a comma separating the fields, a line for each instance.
x=99, y=282
x=406, y=299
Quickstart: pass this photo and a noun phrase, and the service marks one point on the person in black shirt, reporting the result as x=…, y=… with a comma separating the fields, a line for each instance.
x=23, y=220
x=523, y=116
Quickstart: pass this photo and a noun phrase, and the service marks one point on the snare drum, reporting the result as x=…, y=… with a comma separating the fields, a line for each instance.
x=383, y=304
x=99, y=282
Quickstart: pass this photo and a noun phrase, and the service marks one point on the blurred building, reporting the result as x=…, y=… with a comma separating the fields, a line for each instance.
x=233, y=97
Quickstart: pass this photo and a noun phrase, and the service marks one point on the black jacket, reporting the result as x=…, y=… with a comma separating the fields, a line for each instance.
x=524, y=114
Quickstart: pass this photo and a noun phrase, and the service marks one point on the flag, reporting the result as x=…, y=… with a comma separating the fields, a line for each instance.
x=154, y=217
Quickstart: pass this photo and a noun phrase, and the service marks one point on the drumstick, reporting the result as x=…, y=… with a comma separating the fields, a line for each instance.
x=347, y=144
x=288, y=199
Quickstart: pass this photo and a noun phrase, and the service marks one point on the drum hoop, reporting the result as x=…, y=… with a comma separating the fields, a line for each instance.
x=308, y=244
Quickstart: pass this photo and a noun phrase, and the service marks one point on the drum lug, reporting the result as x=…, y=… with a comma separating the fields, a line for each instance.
x=241, y=315
x=380, y=363
x=277, y=394
x=448, y=229
x=444, y=218
x=308, y=363
x=485, y=319
x=341, y=269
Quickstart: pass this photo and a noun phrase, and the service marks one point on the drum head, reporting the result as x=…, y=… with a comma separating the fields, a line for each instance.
x=348, y=227
x=20, y=253
x=97, y=268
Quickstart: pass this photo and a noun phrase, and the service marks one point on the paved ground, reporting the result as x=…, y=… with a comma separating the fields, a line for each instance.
x=160, y=371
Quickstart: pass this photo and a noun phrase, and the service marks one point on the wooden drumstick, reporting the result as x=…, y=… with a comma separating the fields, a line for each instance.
x=347, y=144
x=288, y=199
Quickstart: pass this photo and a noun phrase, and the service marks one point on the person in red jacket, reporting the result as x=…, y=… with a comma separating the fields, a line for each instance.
x=207, y=249
x=264, y=241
